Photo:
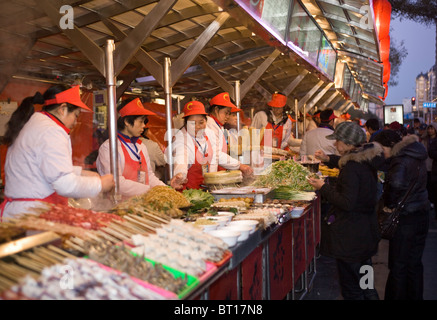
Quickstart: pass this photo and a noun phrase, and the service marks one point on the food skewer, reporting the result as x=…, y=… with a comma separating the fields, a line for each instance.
x=30, y=264
x=60, y=251
x=107, y=237
x=141, y=223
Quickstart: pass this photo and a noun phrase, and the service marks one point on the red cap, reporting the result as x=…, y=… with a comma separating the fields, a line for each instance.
x=135, y=108
x=278, y=101
x=332, y=116
x=222, y=99
x=71, y=96
x=194, y=107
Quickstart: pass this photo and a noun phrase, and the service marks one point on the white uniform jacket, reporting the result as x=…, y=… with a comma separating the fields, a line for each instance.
x=184, y=147
x=127, y=188
x=40, y=163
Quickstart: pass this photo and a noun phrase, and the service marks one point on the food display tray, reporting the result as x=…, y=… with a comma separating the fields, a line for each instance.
x=192, y=281
x=258, y=194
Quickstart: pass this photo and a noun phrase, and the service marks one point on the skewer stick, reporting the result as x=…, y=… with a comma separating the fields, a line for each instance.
x=115, y=234
x=143, y=223
x=30, y=264
x=75, y=247
x=107, y=236
x=154, y=216
x=61, y=252
x=56, y=257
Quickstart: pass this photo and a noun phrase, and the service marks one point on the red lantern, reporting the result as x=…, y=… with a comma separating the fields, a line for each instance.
x=384, y=47
x=382, y=11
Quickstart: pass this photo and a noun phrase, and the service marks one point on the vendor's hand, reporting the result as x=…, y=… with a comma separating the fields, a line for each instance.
x=316, y=183
x=178, y=181
x=319, y=154
x=108, y=182
x=246, y=170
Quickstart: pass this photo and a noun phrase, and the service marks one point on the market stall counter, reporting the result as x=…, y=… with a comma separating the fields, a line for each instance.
x=160, y=246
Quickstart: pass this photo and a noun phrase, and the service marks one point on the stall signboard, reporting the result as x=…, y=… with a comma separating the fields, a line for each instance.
x=394, y=113
x=327, y=58
x=429, y=104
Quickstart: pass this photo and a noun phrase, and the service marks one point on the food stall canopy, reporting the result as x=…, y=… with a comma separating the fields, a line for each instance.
x=34, y=47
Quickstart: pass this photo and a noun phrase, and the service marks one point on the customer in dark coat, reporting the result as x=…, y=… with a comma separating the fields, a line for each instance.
x=432, y=153
x=350, y=233
x=407, y=166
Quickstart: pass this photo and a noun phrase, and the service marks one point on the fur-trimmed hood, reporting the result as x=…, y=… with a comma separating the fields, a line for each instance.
x=409, y=146
x=370, y=152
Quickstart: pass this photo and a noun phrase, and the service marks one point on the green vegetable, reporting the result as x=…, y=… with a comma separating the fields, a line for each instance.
x=199, y=199
x=288, y=193
x=285, y=173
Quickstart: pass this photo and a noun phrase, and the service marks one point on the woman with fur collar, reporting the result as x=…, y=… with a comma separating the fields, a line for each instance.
x=350, y=234
x=407, y=157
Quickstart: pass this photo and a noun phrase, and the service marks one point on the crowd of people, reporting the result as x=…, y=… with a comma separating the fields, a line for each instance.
x=376, y=164
x=406, y=158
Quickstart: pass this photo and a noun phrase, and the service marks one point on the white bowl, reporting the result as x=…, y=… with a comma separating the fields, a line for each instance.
x=297, y=211
x=222, y=221
x=226, y=214
x=244, y=230
x=228, y=236
x=206, y=227
x=251, y=223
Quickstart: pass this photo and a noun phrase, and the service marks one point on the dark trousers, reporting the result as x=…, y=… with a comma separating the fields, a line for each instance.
x=351, y=281
x=405, y=279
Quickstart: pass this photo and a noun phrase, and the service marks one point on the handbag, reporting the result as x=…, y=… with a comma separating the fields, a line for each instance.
x=388, y=219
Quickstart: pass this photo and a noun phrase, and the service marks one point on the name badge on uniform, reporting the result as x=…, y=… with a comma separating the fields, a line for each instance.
x=275, y=142
x=141, y=176
x=205, y=168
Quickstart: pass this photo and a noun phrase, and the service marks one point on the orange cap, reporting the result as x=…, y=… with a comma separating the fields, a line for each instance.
x=278, y=101
x=222, y=99
x=71, y=96
x=346, y=116
x=235, y=109
x=291, y=118
x=135, y=108
x=193, y=107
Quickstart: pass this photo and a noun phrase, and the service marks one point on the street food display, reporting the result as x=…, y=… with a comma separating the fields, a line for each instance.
x=160, y=245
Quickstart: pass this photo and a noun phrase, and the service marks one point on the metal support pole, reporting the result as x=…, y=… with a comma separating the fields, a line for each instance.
x=168, y=113
x=238, y=102
x=179, y=105
x=304, y=120
x=112, y=114
x=296, y=111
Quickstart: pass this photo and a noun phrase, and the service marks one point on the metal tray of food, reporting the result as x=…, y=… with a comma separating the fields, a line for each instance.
x=258, y=194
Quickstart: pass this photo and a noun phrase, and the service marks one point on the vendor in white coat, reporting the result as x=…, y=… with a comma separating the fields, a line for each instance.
x=39, y=166
x=275, y=120
x=194, y=152
x=219, y=112
x=135, y=170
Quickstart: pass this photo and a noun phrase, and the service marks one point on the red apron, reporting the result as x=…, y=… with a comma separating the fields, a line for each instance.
x=195, y=173
x=276, y=136
x=133, y=169
x=53, y=198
